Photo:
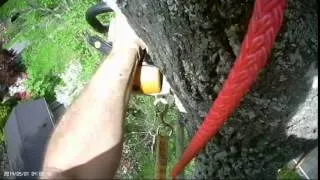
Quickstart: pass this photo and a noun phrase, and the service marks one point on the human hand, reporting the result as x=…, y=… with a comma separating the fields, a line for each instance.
x=122, y=35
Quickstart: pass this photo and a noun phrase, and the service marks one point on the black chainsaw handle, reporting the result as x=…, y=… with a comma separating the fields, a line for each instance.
x=93, y=12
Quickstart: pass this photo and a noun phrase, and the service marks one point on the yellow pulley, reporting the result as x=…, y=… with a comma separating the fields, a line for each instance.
x=148, y=79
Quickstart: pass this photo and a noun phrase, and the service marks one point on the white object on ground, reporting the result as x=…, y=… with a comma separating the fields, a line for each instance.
x=72, y=84
x=18, y=87
x=18, y=48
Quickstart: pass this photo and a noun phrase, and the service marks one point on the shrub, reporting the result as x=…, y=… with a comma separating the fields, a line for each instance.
x=56, y=39
x=9, y=69
x=4, y=115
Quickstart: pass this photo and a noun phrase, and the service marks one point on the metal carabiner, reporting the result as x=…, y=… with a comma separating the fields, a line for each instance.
x=163, y=123
x=170, y=131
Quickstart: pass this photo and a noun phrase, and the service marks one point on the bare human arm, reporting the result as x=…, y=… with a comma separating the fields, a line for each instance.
x=87, y=143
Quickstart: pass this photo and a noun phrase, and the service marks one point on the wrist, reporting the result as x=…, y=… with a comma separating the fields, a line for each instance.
x=117, y=70
x=127, y=53
x=125, y=47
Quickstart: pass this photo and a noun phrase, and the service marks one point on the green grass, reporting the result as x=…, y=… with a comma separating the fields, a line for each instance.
x=4, y=115
x=55, y=30
x=143, y=117
x=288, y=174
x=12, y=7
x=56, y=38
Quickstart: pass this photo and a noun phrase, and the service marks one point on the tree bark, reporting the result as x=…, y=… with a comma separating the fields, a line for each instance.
x=195, y=43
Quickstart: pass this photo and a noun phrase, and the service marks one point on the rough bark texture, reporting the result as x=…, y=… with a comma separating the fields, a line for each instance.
x=195, y=43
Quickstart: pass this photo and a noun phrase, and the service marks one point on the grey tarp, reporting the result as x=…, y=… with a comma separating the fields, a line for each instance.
x=27, y=132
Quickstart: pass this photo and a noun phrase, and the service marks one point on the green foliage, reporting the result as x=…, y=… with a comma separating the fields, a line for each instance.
x=55, y=33
x=288, y=174
x=43, y=86
x=51, y=4
x=12, y=7
x=143, y=119
x=105, y=18
x=4, y=115
x=148, y=170
x=56, y=38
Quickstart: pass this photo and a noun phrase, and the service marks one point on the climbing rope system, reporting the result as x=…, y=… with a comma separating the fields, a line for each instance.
x=264, y=26
x=163, y=133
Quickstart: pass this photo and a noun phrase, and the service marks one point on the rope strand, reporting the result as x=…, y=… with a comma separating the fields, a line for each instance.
x=264, y=25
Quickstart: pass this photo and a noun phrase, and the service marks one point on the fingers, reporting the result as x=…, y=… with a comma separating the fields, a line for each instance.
x=121, y=33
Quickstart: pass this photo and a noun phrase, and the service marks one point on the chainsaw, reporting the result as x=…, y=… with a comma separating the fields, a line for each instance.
x=148, y=79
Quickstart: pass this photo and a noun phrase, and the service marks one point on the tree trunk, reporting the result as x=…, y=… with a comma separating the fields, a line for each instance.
x=195, y=43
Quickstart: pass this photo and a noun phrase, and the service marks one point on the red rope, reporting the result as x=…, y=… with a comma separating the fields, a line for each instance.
x=264, y=25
